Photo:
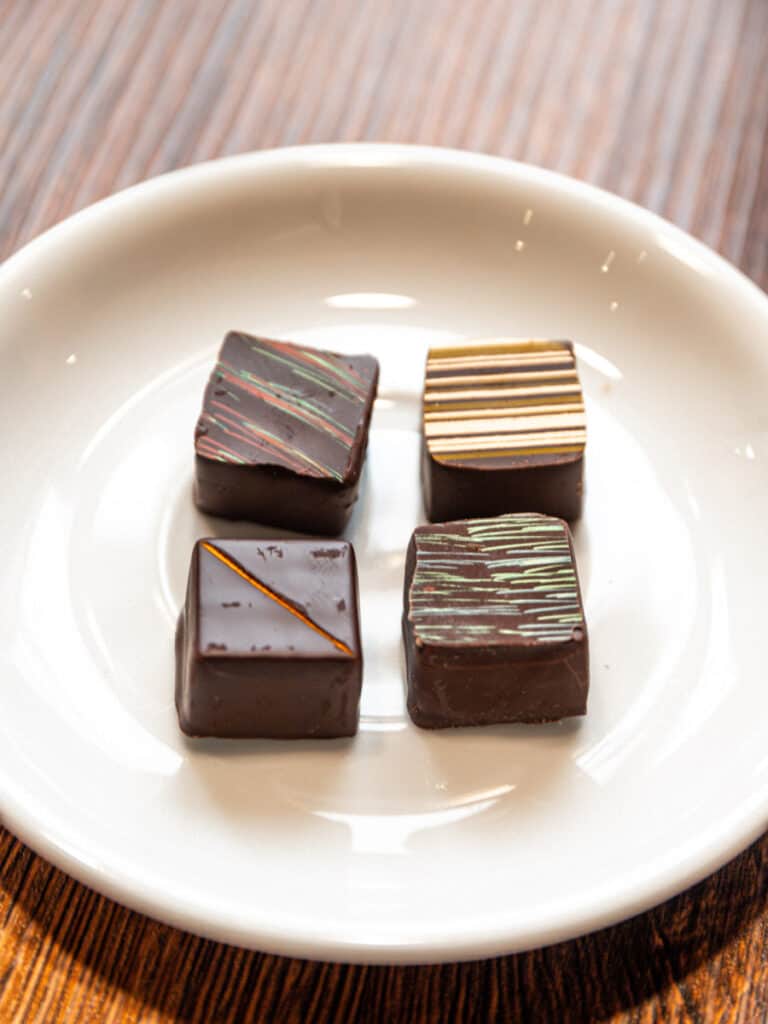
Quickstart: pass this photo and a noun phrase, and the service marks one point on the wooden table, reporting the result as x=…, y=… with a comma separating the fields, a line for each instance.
x=663, y=101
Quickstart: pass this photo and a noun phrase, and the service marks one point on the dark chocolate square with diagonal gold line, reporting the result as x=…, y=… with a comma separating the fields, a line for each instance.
x=268, y=641
x=504, y=430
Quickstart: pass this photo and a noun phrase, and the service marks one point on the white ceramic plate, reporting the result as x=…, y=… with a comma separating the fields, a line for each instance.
x=401, y=845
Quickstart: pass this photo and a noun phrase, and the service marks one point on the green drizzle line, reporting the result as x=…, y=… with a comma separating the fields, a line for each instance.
x=512, y=576
x=235, y=437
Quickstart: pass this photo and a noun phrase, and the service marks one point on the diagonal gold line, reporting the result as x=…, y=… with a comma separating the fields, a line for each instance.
x=245, y=575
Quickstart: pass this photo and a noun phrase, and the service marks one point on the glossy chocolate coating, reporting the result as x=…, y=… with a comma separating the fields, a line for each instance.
x=282, y=435
x=504, y=430
x=493, y=623
x=268, y=641
x=452, y=492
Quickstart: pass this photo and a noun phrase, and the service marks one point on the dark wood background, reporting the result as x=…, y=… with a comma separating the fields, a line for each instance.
x=662, y=101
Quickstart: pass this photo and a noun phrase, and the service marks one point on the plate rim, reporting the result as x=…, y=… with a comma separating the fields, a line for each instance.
x=491, y=935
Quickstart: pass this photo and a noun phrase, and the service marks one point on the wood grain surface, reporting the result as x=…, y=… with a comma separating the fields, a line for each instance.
x=662, y=101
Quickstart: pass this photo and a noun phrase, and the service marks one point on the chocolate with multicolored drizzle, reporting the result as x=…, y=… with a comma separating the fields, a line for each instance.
x=504, y=430
x=283, y=433
x=493, y=623
x=268, y=641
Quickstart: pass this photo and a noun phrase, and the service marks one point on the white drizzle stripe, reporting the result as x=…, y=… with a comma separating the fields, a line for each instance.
x=506, y=425
x=490, y=442
x=439, y=363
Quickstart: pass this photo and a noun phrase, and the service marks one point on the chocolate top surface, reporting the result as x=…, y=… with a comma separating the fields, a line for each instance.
x=507, y=580
x=503, y=404
x=279, y=404
x=277, y=599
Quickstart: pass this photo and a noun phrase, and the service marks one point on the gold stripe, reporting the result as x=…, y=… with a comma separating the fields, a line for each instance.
x=501, y=453
x=493, y=393
x=526, y=376
x=508, y=359
x=490, y=346
x=540, y=396
x=486, y=412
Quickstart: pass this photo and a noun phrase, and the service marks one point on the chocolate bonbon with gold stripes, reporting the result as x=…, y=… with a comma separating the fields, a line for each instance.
x=504, y=429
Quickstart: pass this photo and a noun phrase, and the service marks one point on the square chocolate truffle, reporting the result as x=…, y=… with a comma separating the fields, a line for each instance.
x=283, y=432
x=268, y=641
x=493, y=623
x=504, y=430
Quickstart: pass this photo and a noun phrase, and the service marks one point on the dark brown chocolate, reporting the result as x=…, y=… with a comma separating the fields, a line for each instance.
x=504, y=430
x=268, y=641
x=283, y=432
x=493, y=623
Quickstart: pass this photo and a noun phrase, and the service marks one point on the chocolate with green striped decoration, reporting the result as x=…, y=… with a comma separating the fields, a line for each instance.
x=282, y=434
x=509, y=579
x=273, y=403
x=493, y=625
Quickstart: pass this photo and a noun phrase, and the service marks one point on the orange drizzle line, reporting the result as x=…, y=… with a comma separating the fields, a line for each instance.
x=230, y=564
